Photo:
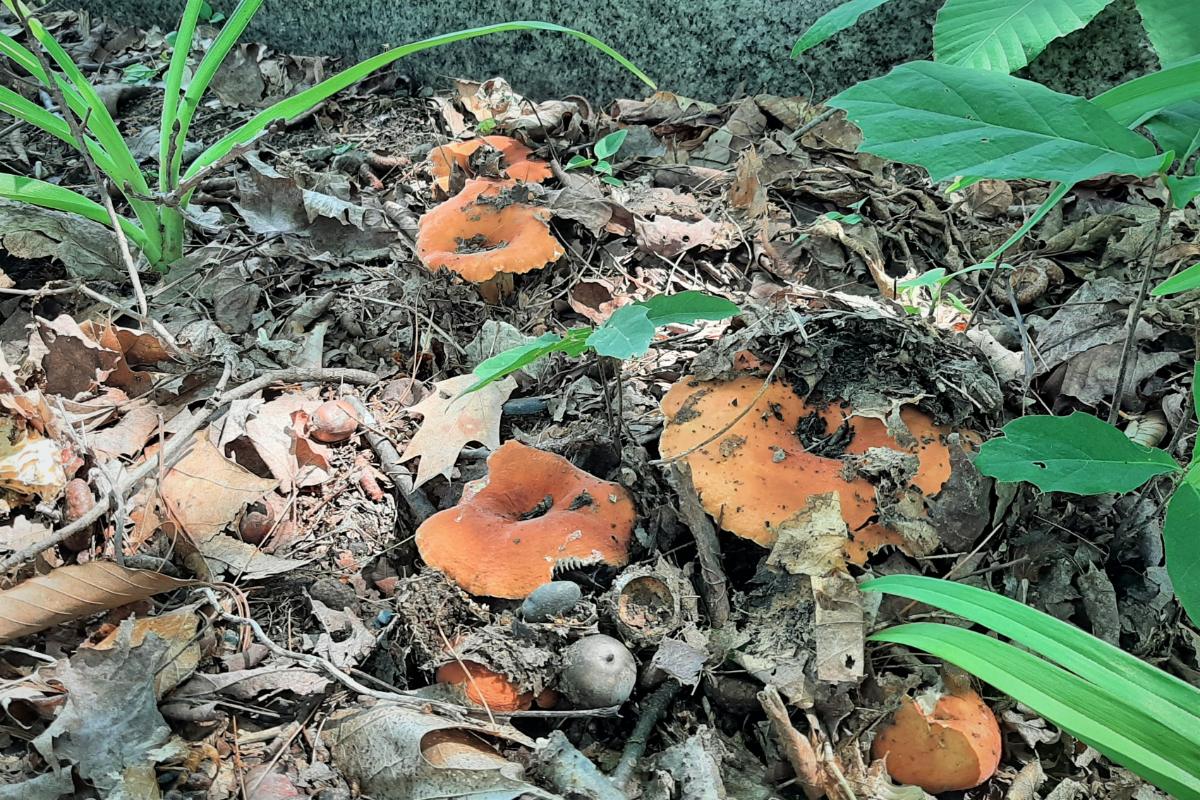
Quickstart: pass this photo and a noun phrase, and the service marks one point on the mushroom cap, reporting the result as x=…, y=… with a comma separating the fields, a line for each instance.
x=757, y=474
x=956, y=746
x=514, y=156
x=479, y=235
x=484, y=687
x=536, y=510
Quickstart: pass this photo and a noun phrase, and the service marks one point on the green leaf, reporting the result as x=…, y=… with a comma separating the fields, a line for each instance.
x=603, y=167
x=1181, y=538
x=578, y=162
x=1091, y=658
x=959, y=121
x=173, y=87
x=138, y=74
x=684, y=308
x=1196, y=402
x=1177, y=128
x=1005, y=35
x=1173, y=27
x=509, y=361
x=301, y=102
x=1181, y=282
x=626, y=334
x=1078, y=454
x=1133, y=102
x=611, y=181
x=47, y=195
x=833, y=22
x=1167, y=757
x=607, y=147
x=1183, y=190
x=929, y=279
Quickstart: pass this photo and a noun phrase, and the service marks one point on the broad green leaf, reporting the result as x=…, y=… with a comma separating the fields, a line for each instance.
x=959, y=121
x=1182, y=282
x=627, y=333
x=833, y=22
x=1196, y=401
x=1133, y=102
x=509, y=361
x=1183, y=190
x=1153, y=748
x=579, y=162
x=1173, y=27
x=1005, y=35
x=1177, y=128
x=609, y=145
x=684, y=308
x=1181, y=538
x=933, y=277
x=47, y=195
x=1078, y=454
x=302, y=101
x=1093, y=659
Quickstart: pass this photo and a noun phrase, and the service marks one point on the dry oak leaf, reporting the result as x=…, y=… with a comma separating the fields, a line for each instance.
x=71, y=592
x=205, y=491
x=178, y=630
x=451, y=420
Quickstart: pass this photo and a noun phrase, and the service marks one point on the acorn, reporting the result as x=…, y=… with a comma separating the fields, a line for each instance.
x=256, y=522
x=551, y=600
x=333, y=421
x=598, y=672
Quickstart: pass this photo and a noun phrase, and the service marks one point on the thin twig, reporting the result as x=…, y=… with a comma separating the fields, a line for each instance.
x=176, y=196
x=81, y=144
x=635, y=746
x=1135, y=314
x=175, y=448
x=418, y=504
x=812, y=123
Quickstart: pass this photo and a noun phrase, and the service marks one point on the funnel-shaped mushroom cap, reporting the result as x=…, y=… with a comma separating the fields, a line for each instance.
x=479, y=233
x=536, y=510
x=954, y=746
x=515, y=160
x=757, y=474
x=484, y=686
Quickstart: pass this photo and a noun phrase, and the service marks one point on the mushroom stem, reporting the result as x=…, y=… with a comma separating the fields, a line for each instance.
x=653, y=709
x=497, y=289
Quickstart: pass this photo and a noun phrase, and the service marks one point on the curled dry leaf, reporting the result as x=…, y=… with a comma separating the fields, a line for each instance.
x=75, y=591
x=30, y=463
x=452, y=419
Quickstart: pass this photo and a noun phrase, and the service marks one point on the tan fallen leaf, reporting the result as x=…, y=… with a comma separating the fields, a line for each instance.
x=21, y=533
x=71, y=592
x=812, y=541
x=451, y=420
x=30, y=464
x=178, y=629
x=134, y=349
x=128, y=436
x=204, y=491
x=72, y=361
x=838, y=628
x=276, y=430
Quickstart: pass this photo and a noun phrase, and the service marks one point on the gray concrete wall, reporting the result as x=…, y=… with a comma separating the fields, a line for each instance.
x=710, y=49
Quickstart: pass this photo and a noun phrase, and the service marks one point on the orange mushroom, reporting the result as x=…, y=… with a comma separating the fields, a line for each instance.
x=515, y=161
x=756, y=473
x=536, y=510
x=946, y=743
x=484, y=687
x=480, y=233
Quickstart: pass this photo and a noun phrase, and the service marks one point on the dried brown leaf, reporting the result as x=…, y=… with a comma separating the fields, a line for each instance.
x=452, y=421
x=205, y=491
x=71, y=592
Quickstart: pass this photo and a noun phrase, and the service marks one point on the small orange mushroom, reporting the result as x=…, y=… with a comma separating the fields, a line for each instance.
x=484, y=687
x=515, y=161
x=536, y=510
x=948, y=743
x=756, y=474
x=480, y=233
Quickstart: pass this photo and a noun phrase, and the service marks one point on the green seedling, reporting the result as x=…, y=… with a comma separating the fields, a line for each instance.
x=157, y=226
x=602, y=151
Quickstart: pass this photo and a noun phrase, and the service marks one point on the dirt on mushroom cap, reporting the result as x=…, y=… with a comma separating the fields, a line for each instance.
x=536, y=510
x=514, y=157
x=479, y=239
x=758, y=473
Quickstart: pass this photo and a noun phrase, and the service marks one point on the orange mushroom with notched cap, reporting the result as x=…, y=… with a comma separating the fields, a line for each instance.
x=481, y=232
x=534, y=510
x=756, y=473
x=944, y=743
x=484, y=687
x=515, y=161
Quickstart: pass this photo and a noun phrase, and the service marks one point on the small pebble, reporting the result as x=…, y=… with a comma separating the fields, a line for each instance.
x=551, y=600
x=333, y=593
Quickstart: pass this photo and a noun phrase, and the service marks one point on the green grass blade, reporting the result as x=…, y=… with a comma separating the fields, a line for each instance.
x=1164, y=751
x=1132, y=102
x=47, y=195
x=1160, y=693
x=301, y=102
x=207, y=69
x=173, y=88
x=56, y=126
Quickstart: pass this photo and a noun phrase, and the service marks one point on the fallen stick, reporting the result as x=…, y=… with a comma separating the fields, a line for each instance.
x=708, y=547
x=389, y=464
x=173, y=449
x=635, y=747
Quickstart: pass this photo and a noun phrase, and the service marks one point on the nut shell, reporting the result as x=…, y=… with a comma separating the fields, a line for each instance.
x=598, y=672
x=333, y=421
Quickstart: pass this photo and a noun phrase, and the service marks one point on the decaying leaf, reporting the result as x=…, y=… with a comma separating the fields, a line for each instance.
x=76, y=591
x=813, y=541
x=838, y=628
x=249, y=684
x=397, y=753
x=128, y=436
x=86, y=248
x=72, y=360
x=178, y=630
x=277, y=432
x=451, y=420
x=30, y=464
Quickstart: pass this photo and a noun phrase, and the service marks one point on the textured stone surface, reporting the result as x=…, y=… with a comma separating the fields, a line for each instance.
x=711, y=49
